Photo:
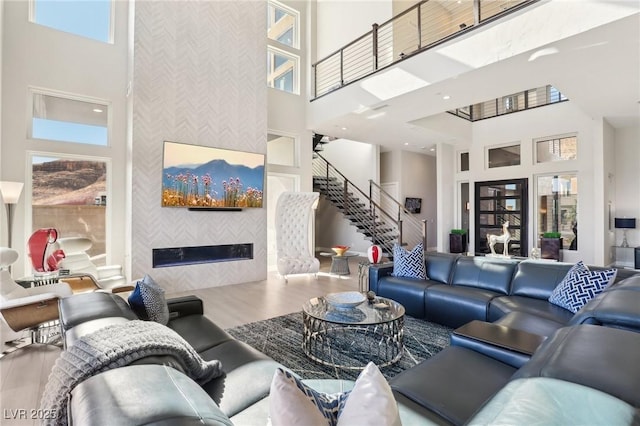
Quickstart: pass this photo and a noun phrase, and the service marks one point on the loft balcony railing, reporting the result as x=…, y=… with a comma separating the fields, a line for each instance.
x=421, y=27
x=516, y=102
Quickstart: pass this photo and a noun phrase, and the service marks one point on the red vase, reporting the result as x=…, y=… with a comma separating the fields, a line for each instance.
x=374, y=253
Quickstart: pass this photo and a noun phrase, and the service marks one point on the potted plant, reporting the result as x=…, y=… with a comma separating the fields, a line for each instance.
x=551, y=246
x=458, y=241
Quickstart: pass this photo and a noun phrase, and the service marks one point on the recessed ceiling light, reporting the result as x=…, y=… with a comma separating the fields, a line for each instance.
x=406, y=144
x=343, y=128
x=432, y=149
x=97, y=110
x=446, y=97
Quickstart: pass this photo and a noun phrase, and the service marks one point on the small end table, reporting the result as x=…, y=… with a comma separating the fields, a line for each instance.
x=340, y=264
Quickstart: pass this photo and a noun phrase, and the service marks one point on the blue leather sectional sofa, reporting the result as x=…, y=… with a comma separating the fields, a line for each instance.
x=514, y=293
x=592, y=353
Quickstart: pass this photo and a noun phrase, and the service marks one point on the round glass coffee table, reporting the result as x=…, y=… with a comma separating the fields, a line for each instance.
x=351, y=337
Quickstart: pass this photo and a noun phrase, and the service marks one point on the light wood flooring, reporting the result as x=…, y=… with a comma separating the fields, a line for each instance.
x=24, y=373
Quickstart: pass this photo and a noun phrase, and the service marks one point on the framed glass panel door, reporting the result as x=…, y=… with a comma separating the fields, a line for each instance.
x=497, y=202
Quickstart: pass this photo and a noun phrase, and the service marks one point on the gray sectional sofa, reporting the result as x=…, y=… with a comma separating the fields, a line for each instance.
x=585, y=372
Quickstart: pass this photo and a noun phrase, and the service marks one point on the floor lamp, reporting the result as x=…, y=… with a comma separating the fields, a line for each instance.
x=10, y=194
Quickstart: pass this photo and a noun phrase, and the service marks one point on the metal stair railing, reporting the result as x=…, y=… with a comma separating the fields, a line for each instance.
x=383, y=227
x=413, y=230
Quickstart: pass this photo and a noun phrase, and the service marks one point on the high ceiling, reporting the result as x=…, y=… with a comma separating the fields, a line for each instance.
x=597, y=67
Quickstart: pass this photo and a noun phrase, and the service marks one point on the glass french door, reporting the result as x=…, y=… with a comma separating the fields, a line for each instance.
x=497, y=202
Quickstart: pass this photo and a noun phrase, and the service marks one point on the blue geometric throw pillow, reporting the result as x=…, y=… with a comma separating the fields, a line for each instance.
x=579, y=286
x=148, y=302
x=409, y=264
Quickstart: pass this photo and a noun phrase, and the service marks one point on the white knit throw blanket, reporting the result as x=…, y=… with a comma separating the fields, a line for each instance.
x=116, y=346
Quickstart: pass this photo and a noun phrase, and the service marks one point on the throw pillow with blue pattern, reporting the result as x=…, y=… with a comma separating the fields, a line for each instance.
x=580, y=285
x=148, y=302
x=409, y=264
x=369, y=403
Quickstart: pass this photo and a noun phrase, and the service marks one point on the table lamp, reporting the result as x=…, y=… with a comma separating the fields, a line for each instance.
x=10, y=194
x=625, y=223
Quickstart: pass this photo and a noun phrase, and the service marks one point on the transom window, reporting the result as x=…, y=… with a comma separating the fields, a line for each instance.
x=69, y=120
x=556, y=149
x=86, y=18
x=503, y=156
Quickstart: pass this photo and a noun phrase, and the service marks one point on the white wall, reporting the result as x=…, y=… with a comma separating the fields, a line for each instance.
x=416, y=176
x=446, y=194
x=627, y=181
x=358, y=161
x=419, y=179
x=590, y=167
x=38, y=56
x=341, y=22
x=199, y=77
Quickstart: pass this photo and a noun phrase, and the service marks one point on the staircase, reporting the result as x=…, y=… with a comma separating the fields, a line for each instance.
x=379, y=225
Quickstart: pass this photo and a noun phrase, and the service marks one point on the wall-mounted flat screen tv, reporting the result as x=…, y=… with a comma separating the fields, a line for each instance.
x=196, y=176
x=413, y=205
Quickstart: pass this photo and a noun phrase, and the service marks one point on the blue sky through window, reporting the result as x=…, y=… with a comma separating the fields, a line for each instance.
x=69, y=132
x=87, y=18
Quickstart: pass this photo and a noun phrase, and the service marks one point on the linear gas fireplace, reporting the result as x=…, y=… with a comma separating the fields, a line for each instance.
x=179, y=256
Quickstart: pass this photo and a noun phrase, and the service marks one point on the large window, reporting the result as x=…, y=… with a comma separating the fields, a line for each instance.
x=557, y=207
x=86, y=18
x=283, y=57
x=70, y=194
x=282, y=24
x=65, y=119
x=283, y=70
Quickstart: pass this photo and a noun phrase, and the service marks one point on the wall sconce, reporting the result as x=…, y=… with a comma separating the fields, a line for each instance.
x=10, y=194
x=625, y=223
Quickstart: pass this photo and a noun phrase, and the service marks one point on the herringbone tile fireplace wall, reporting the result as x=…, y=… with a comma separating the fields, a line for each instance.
x=198, y=77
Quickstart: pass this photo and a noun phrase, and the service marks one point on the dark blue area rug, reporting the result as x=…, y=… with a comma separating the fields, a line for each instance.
x=281, y=339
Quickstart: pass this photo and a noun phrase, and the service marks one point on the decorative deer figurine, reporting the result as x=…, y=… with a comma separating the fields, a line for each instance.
x=504, y=239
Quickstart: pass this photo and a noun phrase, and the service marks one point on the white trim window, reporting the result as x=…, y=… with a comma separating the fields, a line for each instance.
x=67, y=118
x=556, y=148
x=91, y=19
x=71, y=193
x=556, y=204
x=283, y=70
x=283, y=24
x=503, y=155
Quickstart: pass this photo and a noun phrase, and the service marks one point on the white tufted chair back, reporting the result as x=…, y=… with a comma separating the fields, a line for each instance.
x=293, y=220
